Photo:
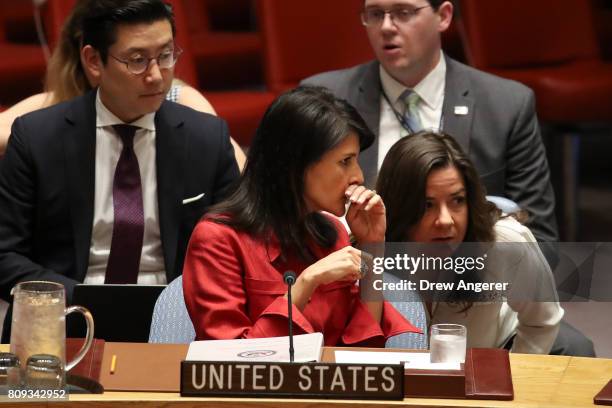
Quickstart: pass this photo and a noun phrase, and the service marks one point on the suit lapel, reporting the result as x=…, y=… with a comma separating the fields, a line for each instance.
x=457, y=100
x=367, y=104
x=79, y=158
x=170, y=147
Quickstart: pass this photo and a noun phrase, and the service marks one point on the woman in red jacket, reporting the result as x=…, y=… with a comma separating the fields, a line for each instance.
x=302, y=164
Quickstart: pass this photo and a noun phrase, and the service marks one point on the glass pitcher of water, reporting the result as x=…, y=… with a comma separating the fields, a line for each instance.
x=39, y=323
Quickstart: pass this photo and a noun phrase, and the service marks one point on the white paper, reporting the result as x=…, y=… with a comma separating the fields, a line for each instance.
x=275, y=349
x=419, y=361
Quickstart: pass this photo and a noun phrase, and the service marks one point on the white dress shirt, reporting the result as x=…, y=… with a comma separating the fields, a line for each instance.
x=429, y=108
x=492, y=324
x=108, y=150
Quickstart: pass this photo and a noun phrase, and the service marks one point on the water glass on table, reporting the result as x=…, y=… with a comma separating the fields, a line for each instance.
x=44, y=372
x=447, y=343
x=10, y=372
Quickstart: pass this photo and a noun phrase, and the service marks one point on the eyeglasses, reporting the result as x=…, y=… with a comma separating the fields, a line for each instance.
x=372, y=17
x=138, y=65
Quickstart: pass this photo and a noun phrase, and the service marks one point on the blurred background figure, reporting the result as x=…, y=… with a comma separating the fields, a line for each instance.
x=412, y=85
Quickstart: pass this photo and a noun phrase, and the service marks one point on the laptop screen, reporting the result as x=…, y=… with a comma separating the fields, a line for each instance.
x=121, y=313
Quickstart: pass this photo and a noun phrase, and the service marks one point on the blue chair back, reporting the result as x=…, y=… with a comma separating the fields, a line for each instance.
x=171, y=322
x=413, y=310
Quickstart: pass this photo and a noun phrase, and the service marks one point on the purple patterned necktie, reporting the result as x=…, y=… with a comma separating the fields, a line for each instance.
x=128, y=227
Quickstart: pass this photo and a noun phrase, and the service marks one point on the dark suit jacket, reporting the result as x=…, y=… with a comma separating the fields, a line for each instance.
x=47, y=188
x=500, y=133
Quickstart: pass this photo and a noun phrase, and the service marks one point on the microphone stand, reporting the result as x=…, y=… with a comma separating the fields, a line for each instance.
x=289, y=278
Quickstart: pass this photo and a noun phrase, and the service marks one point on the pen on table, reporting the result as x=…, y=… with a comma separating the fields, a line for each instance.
x=113, y=364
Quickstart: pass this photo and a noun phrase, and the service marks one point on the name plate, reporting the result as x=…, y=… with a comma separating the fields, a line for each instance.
x=292, y=380
x=434, y=383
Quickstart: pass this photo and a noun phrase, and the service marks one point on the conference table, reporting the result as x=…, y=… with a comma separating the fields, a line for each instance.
x=539, y=381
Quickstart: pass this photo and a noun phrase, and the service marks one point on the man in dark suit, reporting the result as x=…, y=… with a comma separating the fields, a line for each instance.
x=106, y=188
x=492, y=118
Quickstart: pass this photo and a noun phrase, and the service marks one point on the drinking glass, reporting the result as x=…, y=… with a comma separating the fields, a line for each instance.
x=10, y=372
x=44, y=372
x=447, y=343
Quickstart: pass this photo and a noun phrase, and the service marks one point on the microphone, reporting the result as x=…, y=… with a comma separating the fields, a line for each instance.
x=289, y=278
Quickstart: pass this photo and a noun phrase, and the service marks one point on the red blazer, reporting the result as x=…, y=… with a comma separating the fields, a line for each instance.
x=233, y=286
